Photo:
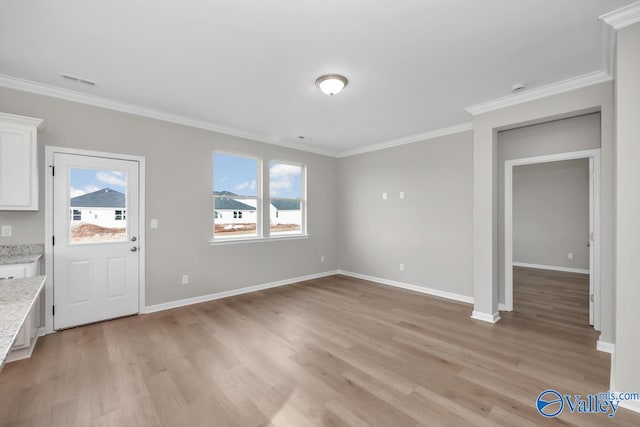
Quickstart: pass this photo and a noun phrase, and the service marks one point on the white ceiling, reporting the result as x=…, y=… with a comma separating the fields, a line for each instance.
x=249, y=65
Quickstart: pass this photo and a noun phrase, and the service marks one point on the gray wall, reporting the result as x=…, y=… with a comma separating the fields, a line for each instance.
x=551, y=213
x=430, y=231
x=625, y=372
x=560, y=136
x=439, y=244
x=178, y=181
x=486, y=168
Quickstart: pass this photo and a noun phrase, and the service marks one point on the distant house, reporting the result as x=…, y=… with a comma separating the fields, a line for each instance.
x=230, y=210
x=285, y=212
x=233, y=211
x=106, y=208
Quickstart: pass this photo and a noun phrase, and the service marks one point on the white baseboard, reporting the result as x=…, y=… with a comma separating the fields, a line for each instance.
x=632, y=405
x=233, y=292
x=502, y=307
x=415, y=288
x=486, y=317
x=42, y=331
x=606, y=347
x=551, y=267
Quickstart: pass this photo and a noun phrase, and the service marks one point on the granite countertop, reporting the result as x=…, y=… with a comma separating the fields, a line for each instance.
x=16, y=299
x=19, y=259
x=20, y=254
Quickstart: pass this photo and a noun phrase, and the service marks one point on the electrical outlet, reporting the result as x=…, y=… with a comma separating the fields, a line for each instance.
x=185, y=279
x=7, y=231
x=401, y=195
x=322, y=258
x=570, y=255
x=384, y=196
x=401, y=267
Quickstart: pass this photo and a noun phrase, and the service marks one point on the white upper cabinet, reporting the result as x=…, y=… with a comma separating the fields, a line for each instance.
x=18, y=163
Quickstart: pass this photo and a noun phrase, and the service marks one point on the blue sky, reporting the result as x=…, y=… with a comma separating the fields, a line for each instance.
x=83, y=181
x=238, y=175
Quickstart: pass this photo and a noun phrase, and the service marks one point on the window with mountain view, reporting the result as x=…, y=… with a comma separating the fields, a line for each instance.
x=286, y=199
x=235, y=196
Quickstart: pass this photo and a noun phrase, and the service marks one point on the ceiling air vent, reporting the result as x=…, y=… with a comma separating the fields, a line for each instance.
x=78, y=79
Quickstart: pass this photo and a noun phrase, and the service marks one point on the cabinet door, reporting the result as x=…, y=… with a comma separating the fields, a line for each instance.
x=18, y=168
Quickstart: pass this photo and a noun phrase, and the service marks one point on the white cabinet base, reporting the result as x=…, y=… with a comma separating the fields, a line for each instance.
x=28, y=334
x=25, y=352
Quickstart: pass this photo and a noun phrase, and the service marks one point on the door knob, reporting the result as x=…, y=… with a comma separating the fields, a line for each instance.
x=134, y=238
x=133, y=249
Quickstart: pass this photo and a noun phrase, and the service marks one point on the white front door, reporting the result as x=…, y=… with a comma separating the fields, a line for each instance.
x=95, y=239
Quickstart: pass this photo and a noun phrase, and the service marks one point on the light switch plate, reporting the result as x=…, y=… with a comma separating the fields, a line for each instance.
x=7, y=231
x=154, y=223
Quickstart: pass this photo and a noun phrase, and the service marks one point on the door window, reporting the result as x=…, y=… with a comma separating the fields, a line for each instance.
x=98, y=202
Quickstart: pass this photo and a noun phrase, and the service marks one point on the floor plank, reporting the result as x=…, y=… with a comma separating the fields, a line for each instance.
x=334, y=351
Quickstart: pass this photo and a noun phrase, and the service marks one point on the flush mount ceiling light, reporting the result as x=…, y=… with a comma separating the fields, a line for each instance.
x=331, y=84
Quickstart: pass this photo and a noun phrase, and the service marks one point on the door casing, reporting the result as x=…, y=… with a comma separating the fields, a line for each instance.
x=48, y=228
x=594, y=221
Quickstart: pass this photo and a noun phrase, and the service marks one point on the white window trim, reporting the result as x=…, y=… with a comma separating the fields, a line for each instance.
x=262, y=195
x=258, y=198
x=303, y=198
x=240, y=240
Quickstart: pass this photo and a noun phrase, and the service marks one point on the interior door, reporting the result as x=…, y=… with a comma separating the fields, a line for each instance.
x=95, y=242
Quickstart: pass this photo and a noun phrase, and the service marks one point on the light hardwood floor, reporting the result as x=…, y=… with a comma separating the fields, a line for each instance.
x=332, y=351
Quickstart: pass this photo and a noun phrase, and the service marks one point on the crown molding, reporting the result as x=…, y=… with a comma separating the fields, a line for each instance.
x=22, y=121
x=110, y=104
x=623, y=17
x=608, y=42
x=507, y=101
x=463, y=127
x=540, y=92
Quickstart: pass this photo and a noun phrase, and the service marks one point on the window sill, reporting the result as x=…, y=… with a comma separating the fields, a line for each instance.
x=257, y=240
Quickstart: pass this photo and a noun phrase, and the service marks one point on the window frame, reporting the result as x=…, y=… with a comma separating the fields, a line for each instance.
x=303, y=198
x=263, y=202
x=257, y=198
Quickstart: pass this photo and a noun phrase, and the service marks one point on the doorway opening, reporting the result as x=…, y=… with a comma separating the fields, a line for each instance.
x=590, y=247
